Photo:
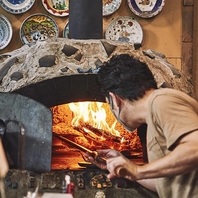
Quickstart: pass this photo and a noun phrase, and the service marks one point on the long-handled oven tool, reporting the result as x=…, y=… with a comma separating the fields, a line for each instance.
x=119, y=171
x=94, y=154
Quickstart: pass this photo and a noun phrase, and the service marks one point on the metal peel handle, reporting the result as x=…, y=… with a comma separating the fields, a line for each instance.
x=120, y=171
x=98, y=158
x=94, y=154
x=74, y=144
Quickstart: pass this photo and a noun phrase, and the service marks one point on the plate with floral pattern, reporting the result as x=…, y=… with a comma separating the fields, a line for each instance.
x=110, y=6
x=38, y=27
x=146, y=8
x=125, y=29
x=57, y=7
x=16, y=6
x=5, y=32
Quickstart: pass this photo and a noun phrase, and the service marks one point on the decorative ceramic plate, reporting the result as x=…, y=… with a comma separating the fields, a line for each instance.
x=57, y=8
x=125, y=29
x=146, y=8
x=66, y=31
x=38, y=27
x=16, y=6
x=5, y=32
x=110, y=6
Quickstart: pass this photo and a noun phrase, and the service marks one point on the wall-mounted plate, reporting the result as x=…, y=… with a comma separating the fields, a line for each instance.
x=5, y=32
x=110, y=6
x=16, y=6
x=66, y=31
x=57, y=8
x=38, y=27
x=125, y=29
x=146, y=8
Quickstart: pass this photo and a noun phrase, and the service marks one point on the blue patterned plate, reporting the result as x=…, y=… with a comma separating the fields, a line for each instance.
x=38, y=27
x=146, y=8
x=5, y=32
x=16, y=6
x=110, y=6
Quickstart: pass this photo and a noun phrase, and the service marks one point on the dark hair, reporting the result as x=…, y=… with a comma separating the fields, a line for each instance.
x=126, y=77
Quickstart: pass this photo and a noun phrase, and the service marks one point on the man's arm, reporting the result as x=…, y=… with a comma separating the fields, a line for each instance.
x=148, y=183
x=181, y=160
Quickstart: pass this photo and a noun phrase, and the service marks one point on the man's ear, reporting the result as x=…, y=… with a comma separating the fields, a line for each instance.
x=116, y=99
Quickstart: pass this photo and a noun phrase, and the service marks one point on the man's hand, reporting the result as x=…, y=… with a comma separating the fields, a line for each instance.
x=105, y=154
x=119, y=166
x=116, y=164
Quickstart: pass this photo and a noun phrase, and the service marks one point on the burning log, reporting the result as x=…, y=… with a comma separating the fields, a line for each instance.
x=98, y=142
x=93, y=138
x=98, y=134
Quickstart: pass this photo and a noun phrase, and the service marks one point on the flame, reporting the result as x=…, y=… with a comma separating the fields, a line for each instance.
x=94, y=114
x=92, y=125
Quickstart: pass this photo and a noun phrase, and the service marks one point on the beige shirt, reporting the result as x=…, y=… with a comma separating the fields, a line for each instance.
x=171, y=115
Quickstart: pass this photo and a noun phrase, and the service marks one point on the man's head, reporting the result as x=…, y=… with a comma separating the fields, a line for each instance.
x=126, y=77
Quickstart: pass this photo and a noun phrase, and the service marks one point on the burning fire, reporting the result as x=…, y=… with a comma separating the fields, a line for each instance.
x=92, y=113
x=92, y=125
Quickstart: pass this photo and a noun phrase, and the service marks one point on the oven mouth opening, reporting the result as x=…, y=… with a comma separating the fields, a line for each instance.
x=92, y=126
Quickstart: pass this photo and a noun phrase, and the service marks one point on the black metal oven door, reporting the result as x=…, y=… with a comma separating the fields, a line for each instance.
x=28, y=132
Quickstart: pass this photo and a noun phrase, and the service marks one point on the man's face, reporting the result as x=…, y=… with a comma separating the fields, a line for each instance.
x=117, y=114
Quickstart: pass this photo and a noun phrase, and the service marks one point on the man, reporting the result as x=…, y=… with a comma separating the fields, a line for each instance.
x=172, y=129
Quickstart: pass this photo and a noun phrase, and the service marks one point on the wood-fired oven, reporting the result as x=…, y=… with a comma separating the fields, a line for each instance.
x=58, y=74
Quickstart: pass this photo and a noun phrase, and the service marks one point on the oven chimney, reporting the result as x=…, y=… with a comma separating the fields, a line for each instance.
x=85, y=19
